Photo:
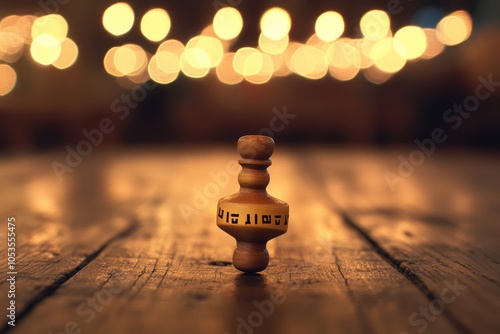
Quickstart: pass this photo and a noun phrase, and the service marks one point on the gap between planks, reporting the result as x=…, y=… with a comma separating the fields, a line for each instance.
x=309, y=170
x=52, y=288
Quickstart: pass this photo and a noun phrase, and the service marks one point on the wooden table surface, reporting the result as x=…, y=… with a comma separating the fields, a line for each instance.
x=127, y=243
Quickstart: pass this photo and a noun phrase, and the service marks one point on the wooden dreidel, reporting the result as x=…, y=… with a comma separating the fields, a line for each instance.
x=252, y=216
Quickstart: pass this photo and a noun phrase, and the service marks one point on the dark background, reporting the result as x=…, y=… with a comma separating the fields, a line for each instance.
x=49, y=108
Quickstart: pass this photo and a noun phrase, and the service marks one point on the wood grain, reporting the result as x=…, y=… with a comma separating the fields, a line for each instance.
x=438, y=228
x=357, y=258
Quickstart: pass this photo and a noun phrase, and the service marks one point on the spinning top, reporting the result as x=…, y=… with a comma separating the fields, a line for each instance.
x=252, y=216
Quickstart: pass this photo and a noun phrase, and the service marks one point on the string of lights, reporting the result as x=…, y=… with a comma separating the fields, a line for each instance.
x=378, y=53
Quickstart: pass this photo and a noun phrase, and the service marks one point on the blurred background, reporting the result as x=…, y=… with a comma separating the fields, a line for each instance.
x=364, y=72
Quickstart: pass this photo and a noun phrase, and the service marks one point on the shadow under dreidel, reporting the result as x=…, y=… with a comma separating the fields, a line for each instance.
x=252, y=309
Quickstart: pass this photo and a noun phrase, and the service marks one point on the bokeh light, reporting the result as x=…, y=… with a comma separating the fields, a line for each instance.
x=273, y=47
x=109, y=62
x=227, y=23
x=275, y=24
x=265, y=71
x=141, y=62
x=68, y=56
x=225, y=71
x=45, y=49
x=434, y=45
x=24, y=27
x=168, y=62
x=377, y=53
x=9, y=21
x=164, y=67
x=314, y=40
x=15, y=31
x=9, y=79
x=376, y=76
x=309, y=61
x=52, y=24
x=247, y=61
x=386, y=57
x=203, y=52
x=11, y=45
x=172, y=45
x=365, y=47
x=343, y=74
x=130, y=59
x=200, y=58
x=140, y=76
x=329, y=26
x=344, y=59
x=410, y=42
x=155, y=24
x=375, y=25
x=289, y=52
x=455, y=28
x=279, y=64
x=125, y=60
x=118, y=19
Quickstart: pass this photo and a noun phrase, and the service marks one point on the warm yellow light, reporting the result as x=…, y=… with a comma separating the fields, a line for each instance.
x=343, y=54
x=290, y=51
x=141, y=62
x=365, y=46
x=109, y=62
x=171, y=45
x=315, y=41
x=329, y=26
x=9, y=21
x=275, y=24
x=434, y=45
x=15, y=31
x=253, y=64
x=52, y=24
x=164, y=67
x=24, y=27
x=10, y=41
x=343, y=74
x=168, y=62
x=265, y=72
x=375, y=25
x=228, y=23
x=130, y=60
x=308, y=61
x=125, y=60
x=225, y=71
x=410, y=42
x=140, y=76
x=273, y=47
x=200, y=58
x=204, y=52
x=155, y=24
x=118, y=19
x=455, y=28
x=279, y=64
x=381, y=48
x=376, y=76
x=209, y=31
x=388, y=58
x=8, y=79
x=247, y=61
x=68, y=56
x=45, y=49
x=344, y=59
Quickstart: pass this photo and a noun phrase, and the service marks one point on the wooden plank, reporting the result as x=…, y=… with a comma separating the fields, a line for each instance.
x=60, y=226
x=173, y=275
x=439, y=227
